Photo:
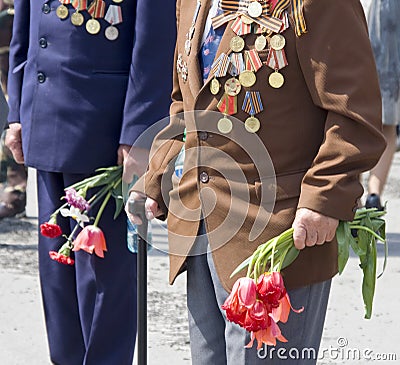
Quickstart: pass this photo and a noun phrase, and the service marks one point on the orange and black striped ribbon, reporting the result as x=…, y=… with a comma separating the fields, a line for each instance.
x=298, y=14
x=252, y=103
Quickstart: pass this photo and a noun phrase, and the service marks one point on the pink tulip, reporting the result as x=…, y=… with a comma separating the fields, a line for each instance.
x=90, y=239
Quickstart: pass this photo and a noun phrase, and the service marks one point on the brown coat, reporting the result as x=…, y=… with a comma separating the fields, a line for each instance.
x=321, y=129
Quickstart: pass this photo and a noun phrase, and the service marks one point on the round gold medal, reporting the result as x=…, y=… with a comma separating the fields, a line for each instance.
x=247, y=78
x=215, y=86
x=237, y=44
x=62, y=12
x=224, y=125
x=252, y=125
x=93, y=26
x=278, y=42
x=232, y=86
x=117, y=1
x=255, y=9
x=260, y=43
x=77, y=19
x=276, y=80
x=246, y=20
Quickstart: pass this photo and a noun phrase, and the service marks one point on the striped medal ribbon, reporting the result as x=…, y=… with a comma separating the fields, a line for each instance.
x=252, y=103
x=276, y=59
x=220, y=66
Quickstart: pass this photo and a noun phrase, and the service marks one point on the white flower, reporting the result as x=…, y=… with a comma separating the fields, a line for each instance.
x=75, y=214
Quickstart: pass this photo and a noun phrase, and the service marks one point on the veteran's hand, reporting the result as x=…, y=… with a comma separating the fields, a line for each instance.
x=151, y=208
x=14, y=142
x=312, y=228
x=134, y=159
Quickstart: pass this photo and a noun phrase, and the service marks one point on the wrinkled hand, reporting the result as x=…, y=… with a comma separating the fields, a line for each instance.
x=134, y=159
x=14, y=142
x=151, y=208
x=312, y=228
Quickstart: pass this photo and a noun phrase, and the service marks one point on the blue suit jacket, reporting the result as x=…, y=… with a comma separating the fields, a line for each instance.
x=78, y=96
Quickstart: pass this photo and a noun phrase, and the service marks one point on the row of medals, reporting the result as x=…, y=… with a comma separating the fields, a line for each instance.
x=92, y=25
x=247, y=78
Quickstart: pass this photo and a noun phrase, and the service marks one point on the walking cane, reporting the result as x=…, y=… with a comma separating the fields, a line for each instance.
x=136, y=207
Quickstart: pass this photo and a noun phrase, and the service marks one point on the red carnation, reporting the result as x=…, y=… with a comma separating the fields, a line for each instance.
x=61, y=258
x=50, y=230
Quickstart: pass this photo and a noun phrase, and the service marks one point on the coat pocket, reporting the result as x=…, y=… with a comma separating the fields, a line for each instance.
x=284, y=186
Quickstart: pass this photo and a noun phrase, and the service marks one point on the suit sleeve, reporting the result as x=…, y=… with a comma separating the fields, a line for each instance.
x=18, y=57
x=339, y=68
x=150, y=81
x=156, y=182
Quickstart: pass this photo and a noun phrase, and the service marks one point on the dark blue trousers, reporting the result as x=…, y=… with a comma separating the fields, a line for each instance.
x=90, y=308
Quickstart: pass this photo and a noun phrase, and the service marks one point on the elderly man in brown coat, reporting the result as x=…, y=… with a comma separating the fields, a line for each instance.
x=295, y=82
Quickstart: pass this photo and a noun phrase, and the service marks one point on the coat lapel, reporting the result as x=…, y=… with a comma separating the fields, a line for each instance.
x=195, y=74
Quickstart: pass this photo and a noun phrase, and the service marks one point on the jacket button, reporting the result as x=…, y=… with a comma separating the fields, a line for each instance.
x=46, y=8
x=203, y=135
x=41, y=77
x=43, y=42
x=204, y=177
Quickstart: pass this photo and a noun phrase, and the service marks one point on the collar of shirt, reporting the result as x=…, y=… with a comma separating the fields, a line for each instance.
x=211, y=14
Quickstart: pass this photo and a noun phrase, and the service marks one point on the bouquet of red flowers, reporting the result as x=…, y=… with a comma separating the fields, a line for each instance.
x=259, y=301
x=89, y=238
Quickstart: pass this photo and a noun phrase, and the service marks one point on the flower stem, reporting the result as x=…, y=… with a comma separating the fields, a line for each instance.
x=102, y=207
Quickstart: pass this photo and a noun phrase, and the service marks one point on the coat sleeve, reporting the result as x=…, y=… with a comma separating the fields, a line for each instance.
x=338, y=66
x=157, y=181
x=18, y=57
x=150, y=81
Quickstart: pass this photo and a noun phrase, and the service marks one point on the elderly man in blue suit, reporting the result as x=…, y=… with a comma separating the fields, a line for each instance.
x=86, y=79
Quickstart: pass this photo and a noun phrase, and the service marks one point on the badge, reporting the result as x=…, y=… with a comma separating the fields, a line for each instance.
x=276, y=80
x=215, y=86
x=252, y=125
x=184, y=71
x=118, y=1
x=255, y=9
x=77, y=19
x=247, y=78
x=237, y=44
x=93, y=26
x=62, y=12
x=224, y=125
x=232, y=86
x=188, y=46
x=111, y=33
x=179, y=63
x=260, y=43
x=278, y=42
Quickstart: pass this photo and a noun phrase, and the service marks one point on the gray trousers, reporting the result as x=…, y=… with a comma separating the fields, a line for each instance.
x=215, y=341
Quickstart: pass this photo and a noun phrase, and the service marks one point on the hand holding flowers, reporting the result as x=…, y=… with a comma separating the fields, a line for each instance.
x=259, y=301
x=89, y=238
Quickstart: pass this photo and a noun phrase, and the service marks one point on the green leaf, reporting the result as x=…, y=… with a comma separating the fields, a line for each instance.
x=369, y=280
x=290, y=256
x=343, y=245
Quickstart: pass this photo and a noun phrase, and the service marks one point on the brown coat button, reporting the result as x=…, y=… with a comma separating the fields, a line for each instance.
x=204, y=177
